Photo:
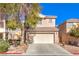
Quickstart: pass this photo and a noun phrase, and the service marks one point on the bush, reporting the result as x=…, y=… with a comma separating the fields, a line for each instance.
x=4, y=45
x=74, y=32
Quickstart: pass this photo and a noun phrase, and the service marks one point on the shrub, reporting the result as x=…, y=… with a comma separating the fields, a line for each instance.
x=4, y=45
x=75, y=33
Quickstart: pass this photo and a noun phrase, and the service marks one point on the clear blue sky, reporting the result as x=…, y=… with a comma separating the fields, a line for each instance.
x=63, y=11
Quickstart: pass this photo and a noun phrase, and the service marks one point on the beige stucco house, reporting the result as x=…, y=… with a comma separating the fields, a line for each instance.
x=45, y=31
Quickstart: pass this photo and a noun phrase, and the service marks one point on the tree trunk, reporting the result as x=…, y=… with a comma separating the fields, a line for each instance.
x=26, y=35
x=22, y=36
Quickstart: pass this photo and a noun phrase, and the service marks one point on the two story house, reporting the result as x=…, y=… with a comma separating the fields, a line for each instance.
x=45, y=31
x=65, y=28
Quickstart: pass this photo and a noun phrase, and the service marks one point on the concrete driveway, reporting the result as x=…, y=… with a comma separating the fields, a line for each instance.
x=46, y=49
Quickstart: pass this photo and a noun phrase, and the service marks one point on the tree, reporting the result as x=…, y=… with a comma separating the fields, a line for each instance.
x=8, y=9
x=30, y=10
x=31, y=17
x=13, y=24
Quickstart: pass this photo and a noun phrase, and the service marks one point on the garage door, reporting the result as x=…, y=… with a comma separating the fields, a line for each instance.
x=43, y=38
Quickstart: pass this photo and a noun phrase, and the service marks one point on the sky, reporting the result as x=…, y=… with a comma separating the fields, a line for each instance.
x=63, y=11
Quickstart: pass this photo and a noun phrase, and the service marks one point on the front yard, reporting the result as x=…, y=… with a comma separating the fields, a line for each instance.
x=72, y=49
x=7, y=48
x=21, y=49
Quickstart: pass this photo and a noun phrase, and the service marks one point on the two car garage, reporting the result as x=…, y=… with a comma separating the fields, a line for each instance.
x=43, y=35
x=43, y=38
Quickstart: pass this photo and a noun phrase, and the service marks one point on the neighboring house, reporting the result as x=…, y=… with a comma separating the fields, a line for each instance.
x=65, y=28
x=2, y=29
x=4, y=32
x=45, y=31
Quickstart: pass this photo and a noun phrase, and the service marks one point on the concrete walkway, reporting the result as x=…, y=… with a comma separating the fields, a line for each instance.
x=46, y=49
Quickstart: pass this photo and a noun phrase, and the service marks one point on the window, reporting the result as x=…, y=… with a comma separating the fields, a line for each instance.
x=69, y=25
x=50, y=20
x=40, y=22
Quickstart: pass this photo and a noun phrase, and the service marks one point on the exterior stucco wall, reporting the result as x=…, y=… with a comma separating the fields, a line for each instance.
x=57, y=37
x=46, y=23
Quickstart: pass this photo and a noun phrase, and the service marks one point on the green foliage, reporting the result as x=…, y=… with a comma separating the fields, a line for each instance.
x=33, y=15
x=74, y=32
x=13, y=24
x=9, y=8
x=31, y=11
x=4, y=45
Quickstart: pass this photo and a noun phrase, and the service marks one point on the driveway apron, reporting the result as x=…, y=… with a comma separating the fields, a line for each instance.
x=46, y=49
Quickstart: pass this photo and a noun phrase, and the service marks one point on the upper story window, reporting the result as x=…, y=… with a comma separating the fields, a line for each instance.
x=50, y=20
x=69, y=25
x=40, y=22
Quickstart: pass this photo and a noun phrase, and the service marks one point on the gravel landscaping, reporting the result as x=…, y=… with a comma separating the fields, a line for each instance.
x=21, y=49
x=72, y=49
